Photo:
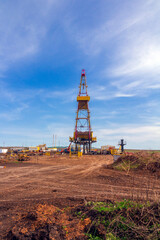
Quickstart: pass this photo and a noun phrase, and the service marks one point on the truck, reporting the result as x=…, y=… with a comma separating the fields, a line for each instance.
x=107, y=149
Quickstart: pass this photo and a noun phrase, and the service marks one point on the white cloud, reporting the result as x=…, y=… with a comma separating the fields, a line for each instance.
x=137, y=56
x=128, y=41
x=141, y=58
x=124, y=95
x=103, y=93
x=137, y=136
x=131, y=130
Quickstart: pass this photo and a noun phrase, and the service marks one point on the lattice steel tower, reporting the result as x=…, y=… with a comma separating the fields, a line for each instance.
x=83, y=134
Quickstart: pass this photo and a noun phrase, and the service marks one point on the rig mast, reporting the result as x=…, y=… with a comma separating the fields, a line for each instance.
x=83, y=134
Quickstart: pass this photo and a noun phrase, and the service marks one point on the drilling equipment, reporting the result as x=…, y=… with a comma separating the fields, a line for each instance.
x=83, y=135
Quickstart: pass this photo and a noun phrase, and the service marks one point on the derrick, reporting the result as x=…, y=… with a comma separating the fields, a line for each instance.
x=83, y=135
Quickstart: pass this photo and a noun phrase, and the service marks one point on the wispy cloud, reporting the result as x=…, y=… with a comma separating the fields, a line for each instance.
x=11, y=95
x=143, y=57
x=23, y=27
x=94, y=41
x=34, y=136
x=103, y=93
x=132, y=37
x=65, y=96
x=137, y=56
x=14, y=113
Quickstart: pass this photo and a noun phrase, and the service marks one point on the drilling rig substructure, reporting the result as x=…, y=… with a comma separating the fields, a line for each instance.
x=83, y=135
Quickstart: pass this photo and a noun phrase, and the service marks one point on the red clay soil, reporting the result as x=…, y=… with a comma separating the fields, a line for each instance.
x=62, y=182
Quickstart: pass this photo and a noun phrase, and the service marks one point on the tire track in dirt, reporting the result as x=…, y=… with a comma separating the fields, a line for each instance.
x=73, y=177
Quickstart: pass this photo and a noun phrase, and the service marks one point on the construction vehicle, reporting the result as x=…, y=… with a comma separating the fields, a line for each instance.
x=18, y=156
x=111, y=150
x=71, y=150
x=108, y=149
x=66, y=150
x=22, y=157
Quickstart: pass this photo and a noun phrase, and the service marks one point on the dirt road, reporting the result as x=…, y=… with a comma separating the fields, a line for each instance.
x=61, y=176
x=62, y=179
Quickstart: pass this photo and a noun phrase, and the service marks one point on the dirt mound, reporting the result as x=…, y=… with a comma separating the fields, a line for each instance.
x=138, y=161
x=131, y=158
x=47, y=222
x=126, y=163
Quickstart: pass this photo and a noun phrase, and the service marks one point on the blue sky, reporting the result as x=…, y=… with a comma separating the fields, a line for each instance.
x=44, y=44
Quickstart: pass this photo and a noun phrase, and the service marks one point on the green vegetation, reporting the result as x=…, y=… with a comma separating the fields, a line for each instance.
x=125, y=204
x=125, y=220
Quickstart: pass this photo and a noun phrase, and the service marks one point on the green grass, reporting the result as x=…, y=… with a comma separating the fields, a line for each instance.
x=125, y=204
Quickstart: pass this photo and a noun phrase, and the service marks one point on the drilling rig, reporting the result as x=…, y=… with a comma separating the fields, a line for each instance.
x=83, y=135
